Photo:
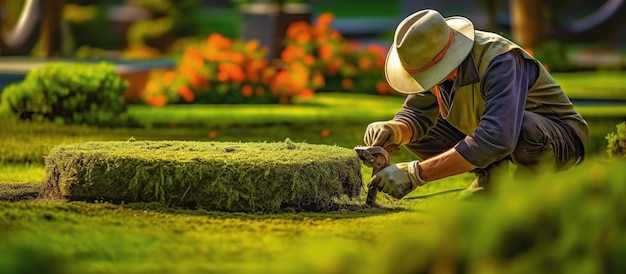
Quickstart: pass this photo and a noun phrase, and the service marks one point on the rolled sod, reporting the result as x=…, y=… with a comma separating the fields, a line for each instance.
x=227, y=176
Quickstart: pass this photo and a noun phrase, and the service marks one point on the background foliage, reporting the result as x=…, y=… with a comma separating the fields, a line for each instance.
x=69, y=93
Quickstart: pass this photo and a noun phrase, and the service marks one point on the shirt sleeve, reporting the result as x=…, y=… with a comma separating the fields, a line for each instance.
x=420, y=112
x=504, y=87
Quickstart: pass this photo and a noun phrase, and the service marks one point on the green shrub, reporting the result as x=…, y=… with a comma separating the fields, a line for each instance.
x=567, y=223
x=69, y=93
x=616, y=146
x=29, y=259
x=227, y=176
x=553, y=55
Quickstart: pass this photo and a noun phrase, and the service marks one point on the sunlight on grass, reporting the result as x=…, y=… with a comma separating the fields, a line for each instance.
x=556, y=218
x=593, y=84
x=21, y=173
x=322, y=108
x=604, y=111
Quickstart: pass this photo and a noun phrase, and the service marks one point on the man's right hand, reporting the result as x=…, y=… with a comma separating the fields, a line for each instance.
x=387, y=134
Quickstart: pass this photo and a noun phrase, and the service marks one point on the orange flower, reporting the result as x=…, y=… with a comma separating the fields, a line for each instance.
x=212, y=133
x=334, y=66
x=347, y=84
x=169, y=77
x=303, y=38
x=237, y=58
x=254, y=69
x=157, y=100
x=197, y=81
x=152, y=86
x=295, y=28
x=377, y=50
x=268, y=75
x=309, y=60
x=222, y=76
x=193, y=58
x=306, y=93
x=365, y=63
x=383, y=88
x=324, y=20
x=219, y=41
x=325, y=52
x=246, y=91
x=252, y=45
x=288, y=54
x=187, y=95
x=236, y=73
x=299, y=77
x=318, y=80
x=291, y=52
x=325, y=133
x=282, y=83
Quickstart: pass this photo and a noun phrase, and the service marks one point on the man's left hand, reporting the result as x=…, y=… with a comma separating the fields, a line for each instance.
x=399, y=179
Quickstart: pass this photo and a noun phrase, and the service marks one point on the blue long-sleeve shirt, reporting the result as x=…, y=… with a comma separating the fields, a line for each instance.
x=504, y=87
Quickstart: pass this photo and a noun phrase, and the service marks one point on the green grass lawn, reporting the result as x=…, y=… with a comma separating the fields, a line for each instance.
x=609, y=85
x=80, y=237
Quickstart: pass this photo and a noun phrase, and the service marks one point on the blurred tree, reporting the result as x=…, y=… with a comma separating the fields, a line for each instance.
x=528, y=24
x=267, y=21
x=534, y=21
x=51, y=35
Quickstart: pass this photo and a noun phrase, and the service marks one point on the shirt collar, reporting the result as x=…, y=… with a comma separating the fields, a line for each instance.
x=468, y=73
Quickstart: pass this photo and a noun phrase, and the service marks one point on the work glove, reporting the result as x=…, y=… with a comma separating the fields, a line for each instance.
x=399, y=179
x=387, y=134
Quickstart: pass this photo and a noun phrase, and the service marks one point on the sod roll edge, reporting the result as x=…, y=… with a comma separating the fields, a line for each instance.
x=227, y=176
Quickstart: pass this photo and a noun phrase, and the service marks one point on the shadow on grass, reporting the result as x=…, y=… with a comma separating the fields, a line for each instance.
x=354, y=208
x=19, y=191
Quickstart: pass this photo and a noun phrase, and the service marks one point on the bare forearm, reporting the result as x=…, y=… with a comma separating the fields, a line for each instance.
x=444, y=165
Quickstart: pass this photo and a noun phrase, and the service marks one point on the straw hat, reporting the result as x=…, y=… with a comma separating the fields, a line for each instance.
x=426, y=48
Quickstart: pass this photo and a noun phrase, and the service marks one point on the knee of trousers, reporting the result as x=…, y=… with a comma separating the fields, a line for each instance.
x=533, y=146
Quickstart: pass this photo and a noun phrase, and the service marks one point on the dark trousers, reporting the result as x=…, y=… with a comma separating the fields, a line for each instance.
x=544, y=142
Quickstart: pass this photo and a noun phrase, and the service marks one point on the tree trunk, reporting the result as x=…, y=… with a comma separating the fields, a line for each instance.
x=51, y=36
x=527, y=22
x=267, y=23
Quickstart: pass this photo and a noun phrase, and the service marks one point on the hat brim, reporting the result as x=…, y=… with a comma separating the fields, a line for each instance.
x=402, y=81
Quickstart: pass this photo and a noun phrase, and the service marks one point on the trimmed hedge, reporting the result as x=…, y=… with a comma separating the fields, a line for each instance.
x=228, y=176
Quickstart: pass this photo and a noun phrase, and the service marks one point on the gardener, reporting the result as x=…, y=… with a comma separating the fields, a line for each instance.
x=475, y=102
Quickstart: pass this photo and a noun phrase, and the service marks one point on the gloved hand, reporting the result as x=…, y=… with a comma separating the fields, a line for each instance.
x=387, y=134
x=399, y=179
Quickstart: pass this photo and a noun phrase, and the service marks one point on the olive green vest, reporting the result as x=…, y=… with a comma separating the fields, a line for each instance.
x=545, y=97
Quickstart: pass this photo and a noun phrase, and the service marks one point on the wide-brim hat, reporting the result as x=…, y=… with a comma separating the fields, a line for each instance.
x=426, y=48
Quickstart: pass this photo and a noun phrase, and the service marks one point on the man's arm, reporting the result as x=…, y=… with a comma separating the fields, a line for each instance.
x=420, y=113
x=505, y=86
x=447, y=164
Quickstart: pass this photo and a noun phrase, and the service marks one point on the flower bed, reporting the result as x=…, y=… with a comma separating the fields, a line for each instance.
x=315, y=58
